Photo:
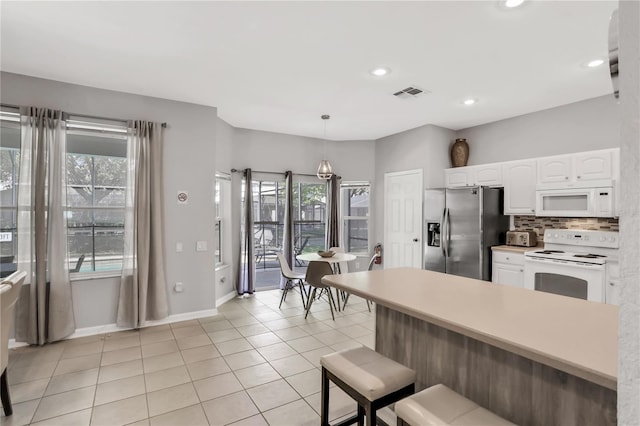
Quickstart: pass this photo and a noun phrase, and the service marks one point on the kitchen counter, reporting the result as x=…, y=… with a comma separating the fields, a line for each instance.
x=517, y=249
x=519, y=353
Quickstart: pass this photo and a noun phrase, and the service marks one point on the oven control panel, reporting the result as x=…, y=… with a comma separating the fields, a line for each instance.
x=607, y=239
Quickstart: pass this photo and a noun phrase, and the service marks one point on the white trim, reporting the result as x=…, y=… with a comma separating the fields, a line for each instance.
x=112, y=328
x=226, y=298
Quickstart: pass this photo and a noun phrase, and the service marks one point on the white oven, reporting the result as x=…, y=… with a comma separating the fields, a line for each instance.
x=565, y=277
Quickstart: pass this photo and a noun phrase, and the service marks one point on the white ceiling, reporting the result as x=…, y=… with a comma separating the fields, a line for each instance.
x=279, y=66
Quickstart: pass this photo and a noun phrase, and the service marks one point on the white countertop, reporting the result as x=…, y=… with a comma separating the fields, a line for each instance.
x=572, y=335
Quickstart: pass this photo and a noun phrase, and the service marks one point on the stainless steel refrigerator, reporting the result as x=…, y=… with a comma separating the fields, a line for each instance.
x=461, y=225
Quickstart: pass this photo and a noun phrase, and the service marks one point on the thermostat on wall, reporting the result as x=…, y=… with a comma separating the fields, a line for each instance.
x=183, y=197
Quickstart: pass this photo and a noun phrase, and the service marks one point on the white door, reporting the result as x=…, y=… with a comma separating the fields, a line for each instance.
x=403, y=219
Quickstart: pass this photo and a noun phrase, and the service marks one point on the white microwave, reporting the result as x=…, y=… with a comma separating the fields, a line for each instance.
x=575, y=202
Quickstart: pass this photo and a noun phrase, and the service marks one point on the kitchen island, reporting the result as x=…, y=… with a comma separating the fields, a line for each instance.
x=533, y=358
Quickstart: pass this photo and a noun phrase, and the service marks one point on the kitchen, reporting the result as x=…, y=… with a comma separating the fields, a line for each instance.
x=597, y=118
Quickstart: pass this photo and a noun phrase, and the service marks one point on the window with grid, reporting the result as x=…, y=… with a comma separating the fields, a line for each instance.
x=9, y=173
x=96, y=182
x=355, y=217
x=309, y=214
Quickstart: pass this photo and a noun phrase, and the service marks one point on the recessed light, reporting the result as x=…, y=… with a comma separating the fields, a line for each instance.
x=469, y=101
x=595, y=63
x=380, y=71
x=513, y=3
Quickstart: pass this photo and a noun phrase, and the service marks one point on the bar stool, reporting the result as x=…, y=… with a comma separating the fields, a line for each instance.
x=373, y=380
x=439, y=405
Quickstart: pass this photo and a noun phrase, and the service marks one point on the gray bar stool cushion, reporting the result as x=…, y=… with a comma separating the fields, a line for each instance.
x=368, y=372
x=439, y=405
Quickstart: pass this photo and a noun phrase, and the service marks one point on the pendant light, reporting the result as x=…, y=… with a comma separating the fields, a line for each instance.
x=324, y=169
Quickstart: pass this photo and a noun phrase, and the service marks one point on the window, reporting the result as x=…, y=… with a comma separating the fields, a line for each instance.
x=355, y=217
x=96, y=182
x=9, y=173
x=268, y=221
x=309, y=216
x=223, y=213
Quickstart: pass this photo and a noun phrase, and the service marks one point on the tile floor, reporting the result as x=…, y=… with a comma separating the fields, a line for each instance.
x=253, y=364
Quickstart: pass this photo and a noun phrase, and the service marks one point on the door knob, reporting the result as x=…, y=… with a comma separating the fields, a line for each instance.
x=415, y=240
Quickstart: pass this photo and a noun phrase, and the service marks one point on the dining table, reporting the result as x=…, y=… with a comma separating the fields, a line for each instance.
x=335, y=261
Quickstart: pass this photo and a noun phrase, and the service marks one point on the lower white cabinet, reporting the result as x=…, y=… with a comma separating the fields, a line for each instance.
x=508, y=268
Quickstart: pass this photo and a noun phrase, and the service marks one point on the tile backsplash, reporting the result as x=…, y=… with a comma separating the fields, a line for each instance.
x=539, y=224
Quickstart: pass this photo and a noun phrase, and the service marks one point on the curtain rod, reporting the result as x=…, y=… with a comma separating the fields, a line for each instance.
x=164, y=125
x=275, y=173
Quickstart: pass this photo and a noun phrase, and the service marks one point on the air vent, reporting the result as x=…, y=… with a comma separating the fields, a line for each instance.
x=409, y=92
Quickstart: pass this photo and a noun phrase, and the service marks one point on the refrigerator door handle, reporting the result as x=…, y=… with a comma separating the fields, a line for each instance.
x=448, y=232
x=443, y=232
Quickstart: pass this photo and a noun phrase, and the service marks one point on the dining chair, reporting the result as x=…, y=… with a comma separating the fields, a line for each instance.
x=9, y=292
x=315, y=271
x=293, y=279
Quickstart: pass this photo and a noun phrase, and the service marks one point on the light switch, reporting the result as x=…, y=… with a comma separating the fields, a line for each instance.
x=201, y=246
x=178, y=247
x=179, y=288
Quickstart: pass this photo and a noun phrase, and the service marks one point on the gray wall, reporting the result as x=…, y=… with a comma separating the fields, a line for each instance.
x=425, y=147
x=189, y=164
x=581, y=126
x=629, y=314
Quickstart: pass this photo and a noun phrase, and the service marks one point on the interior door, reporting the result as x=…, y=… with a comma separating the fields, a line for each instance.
x=403, y=219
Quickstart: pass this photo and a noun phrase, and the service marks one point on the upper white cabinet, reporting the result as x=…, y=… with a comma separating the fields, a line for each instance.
x=484, y=175
x=579, y=167
x=555, y=169
x=520, y=187
x=460, y=176
x=487, y=175
x=594, y=165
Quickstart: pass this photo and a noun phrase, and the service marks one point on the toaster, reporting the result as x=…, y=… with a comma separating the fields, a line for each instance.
x=522, y=238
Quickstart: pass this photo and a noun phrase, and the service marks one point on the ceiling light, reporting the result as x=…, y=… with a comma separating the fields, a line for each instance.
x=469, y=101
x=513, y=3
x=380, y=72
x=595, y=63
x=324, y=169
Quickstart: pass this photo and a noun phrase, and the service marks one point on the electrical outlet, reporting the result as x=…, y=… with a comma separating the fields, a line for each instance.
x=178, y=247
x=357, y=265
x=179, y=287
x=201, y=246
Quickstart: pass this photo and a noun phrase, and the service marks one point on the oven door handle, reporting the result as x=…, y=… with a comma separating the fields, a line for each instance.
x=551, y=262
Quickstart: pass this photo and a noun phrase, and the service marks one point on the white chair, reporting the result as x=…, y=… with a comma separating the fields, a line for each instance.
x=9, y=292
x=343, y=268
x=293, y=279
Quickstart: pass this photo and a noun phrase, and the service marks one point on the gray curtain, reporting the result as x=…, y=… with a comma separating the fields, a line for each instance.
x=143, y=289
x=333, y=213
x=247, y=264
x=288, y=237
x=45, y=310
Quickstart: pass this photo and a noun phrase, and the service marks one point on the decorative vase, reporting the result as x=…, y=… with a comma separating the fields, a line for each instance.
x=460, y=153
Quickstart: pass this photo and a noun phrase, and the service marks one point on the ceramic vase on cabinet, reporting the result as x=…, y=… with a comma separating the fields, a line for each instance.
x=460, y=153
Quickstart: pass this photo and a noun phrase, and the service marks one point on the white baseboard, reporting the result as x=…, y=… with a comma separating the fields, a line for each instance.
x=226, y=298
x=112, y=328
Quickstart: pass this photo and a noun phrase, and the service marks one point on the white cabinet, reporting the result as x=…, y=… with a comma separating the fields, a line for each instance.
x=594, y=165
x=487, y=175
x=459, y=176
x=579, y=167
x=484, y=175
x=555, y=169
x=519, y=187
x=508, y=268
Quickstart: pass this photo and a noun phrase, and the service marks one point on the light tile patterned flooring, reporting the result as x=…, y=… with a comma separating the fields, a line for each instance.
x=253, y=364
